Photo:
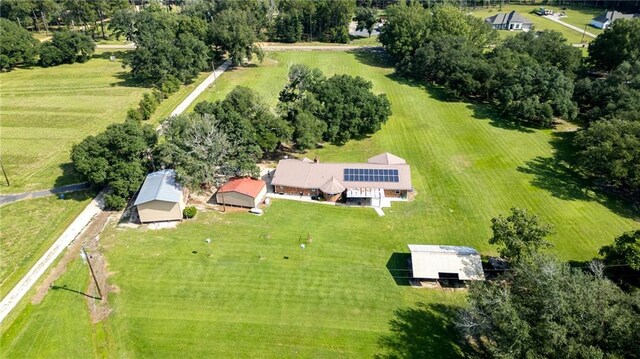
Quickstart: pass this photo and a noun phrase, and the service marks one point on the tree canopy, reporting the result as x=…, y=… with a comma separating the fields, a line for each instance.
x=17, y=45
x=620, y=42
x=519, y=236
x=168, y=46
x=542, y=308
x=367, y=18
x=117, y=158
x=66, y=47
x=336, y=109
x=609, y=150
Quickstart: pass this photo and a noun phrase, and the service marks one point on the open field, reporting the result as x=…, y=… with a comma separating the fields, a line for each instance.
x=27, y=230
x=238, y=296
x=45, y=110
x=540, y=23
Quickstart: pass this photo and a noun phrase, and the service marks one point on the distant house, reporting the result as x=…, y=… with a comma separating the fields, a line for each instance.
x=509, y=21
x=242, y=192
x=608, y=17
x=450, y=263
x=383, y=176
x=160, y=198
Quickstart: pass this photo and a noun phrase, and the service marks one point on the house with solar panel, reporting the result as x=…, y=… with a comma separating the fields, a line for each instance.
x=160, y=198
x=381, y=179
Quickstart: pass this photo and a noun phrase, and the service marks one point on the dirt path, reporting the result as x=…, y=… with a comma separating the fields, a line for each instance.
x=14, y=197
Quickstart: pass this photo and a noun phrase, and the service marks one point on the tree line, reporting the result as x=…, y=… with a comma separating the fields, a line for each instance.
x=533, y=79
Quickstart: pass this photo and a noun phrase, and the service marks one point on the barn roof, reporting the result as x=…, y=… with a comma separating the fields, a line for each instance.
x=244, y=185
x=428, y=261
x=159, y=186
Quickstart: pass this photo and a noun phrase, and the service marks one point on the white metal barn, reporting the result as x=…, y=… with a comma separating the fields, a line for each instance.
x=436, y=262
x=160, y=198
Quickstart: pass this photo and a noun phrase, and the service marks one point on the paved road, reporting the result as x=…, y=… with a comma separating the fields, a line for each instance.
x=555, y=19
x=270, y=46
x=130, y=46
x=10, y=198
x=201, y=88
x=14, y=296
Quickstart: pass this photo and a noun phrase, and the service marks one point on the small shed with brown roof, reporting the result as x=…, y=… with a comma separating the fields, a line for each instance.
x=242, y=192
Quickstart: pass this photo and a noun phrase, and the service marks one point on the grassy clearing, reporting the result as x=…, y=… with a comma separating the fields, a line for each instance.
x=238, y=296
x=540, y=23
x=45, y=110
x=61, y=321
x=467, y=164
x=27, y=230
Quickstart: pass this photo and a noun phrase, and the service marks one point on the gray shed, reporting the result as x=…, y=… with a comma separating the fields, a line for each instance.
x=160, y=198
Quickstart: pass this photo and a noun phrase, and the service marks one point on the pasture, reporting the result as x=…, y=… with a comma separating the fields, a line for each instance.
x=29, y=227
x=45, y=110
x=253, y=292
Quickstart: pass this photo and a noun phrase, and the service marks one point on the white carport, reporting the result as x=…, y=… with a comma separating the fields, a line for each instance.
x=437, y=262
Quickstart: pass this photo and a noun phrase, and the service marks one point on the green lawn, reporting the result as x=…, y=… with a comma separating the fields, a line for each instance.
x=540, y=23
x=239, y=297
x=45, y=110
x=27, y=230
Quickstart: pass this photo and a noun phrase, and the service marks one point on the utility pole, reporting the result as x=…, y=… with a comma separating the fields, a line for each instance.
x=583, y=33
x=224, y=207
x=92, y=273
x=5, y=174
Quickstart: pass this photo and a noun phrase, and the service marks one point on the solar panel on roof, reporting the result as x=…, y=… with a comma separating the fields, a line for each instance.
x=370, y=175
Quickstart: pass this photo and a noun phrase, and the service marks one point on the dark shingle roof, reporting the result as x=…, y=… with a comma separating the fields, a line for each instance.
x=504, y=18
x=614, y=15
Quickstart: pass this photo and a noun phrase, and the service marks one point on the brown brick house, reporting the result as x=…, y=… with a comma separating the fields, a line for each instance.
x=382, y=176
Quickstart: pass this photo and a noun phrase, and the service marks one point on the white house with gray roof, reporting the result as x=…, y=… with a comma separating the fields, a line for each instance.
x=382, y=176
x=160, y=198
x=608, y=17
x=509, y=21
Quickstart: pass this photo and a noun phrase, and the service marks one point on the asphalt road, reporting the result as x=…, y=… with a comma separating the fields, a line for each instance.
x=10, y=198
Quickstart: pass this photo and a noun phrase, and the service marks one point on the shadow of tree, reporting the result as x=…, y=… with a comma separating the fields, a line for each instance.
x=484, y=111
x=373, y=57
x=398, y=267
x=424, y=331
x=558, y=176
x=69, y=175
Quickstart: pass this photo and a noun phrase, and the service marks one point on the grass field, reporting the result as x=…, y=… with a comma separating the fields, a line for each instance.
x=45, y=110
x=238, y=296
x=27, y=230
x=575, y=17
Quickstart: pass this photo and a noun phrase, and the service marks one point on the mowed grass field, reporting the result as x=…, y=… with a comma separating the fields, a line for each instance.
x=45, y=110
x=238, y=296
x=579, y=17
x=28, y=228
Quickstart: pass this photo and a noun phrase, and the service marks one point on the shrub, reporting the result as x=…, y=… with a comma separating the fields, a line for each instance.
x=114, y=202
x=189, y=212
